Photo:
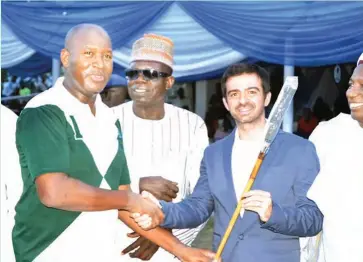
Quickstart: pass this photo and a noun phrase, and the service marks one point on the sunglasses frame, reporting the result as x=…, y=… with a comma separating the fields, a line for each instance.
x=151, y=72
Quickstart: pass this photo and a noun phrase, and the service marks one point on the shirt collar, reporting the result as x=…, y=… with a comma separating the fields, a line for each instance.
x=257, y=141
x=71, y=101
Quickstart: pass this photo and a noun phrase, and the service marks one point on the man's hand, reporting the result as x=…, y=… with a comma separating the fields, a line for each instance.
x=260, y=202
x=145, y=221
x=160, y=187
x=142, y=208
x=145, y=249
x=189, y=254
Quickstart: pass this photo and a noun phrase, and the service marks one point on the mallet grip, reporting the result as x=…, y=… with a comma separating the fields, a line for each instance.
x=237, y=211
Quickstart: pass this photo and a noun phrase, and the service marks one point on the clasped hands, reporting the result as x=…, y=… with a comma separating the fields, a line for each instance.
x=149, y=212
x=145, y=251
x=145, y=221
x=147, y=216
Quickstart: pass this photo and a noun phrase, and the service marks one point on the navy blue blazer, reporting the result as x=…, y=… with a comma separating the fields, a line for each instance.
x=287, y=172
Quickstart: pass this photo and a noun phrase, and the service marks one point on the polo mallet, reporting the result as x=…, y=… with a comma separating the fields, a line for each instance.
x=271, y=129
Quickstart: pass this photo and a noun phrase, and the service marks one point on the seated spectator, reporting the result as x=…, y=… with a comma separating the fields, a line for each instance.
x=10, y=88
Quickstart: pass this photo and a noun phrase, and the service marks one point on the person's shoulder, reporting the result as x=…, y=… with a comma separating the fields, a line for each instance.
x=296, y=149
x=296, y=141
x=43, y=107
x=45, y=101
x=42, y=113
x=292, y=138
x=121, y=109
x=340, y=121
x=42, y=118
x=48, y=97
x=218, y=145
x=327, y=129
x=184, y=115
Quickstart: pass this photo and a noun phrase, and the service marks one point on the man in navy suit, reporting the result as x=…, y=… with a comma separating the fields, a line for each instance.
x=276, y=210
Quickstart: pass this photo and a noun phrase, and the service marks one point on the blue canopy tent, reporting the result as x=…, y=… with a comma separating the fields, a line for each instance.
x=208, y=36
x=193, y=60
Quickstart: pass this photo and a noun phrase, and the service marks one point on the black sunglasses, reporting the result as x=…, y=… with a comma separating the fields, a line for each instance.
x=148, y=74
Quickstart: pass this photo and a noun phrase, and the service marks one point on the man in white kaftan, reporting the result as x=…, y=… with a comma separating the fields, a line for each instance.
x=338, y=188
x=164, y=144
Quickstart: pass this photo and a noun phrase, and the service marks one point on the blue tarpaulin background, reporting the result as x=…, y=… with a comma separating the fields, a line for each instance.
x=208, y=36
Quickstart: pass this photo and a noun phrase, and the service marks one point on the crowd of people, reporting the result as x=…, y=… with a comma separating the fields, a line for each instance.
x=85, y=178
x=12, y=86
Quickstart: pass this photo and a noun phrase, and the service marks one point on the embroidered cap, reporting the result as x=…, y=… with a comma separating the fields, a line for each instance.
x=153, y=47
x=360, y=60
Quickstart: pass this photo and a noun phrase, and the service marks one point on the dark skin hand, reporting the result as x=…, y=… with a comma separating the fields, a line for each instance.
x=162, y=189
x=144, y=248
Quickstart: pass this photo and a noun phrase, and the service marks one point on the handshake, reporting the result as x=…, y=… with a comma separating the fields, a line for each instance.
x=150, y=215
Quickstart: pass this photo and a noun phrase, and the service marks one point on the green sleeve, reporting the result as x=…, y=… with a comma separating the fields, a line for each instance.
x=42, y=141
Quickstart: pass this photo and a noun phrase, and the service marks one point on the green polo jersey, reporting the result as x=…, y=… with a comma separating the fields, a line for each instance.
x=58, y=134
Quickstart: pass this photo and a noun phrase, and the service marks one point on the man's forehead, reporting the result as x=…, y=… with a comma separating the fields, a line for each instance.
x=244, y=81
x=92, y=46
x=91, y=39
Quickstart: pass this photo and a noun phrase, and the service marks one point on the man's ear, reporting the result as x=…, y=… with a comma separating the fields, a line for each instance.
x=64, y=57
x=225, y=103
x=170, y=82
x=267, y=99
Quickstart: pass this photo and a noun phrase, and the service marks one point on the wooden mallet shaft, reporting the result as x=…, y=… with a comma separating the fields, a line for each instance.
x=237, y=211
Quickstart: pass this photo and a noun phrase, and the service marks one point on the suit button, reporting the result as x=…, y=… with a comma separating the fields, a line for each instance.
x=241, y=237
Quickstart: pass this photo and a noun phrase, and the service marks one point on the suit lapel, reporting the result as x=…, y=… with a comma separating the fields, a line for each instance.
x=228, y=194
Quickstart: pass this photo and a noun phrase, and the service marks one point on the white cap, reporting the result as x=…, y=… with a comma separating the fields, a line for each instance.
x=360, y=60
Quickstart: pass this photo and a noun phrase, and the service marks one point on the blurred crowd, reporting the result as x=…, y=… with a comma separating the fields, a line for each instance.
x=12, y=86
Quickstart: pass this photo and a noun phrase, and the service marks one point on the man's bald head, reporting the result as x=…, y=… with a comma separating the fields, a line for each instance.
x=79, y=32
x=87, y=59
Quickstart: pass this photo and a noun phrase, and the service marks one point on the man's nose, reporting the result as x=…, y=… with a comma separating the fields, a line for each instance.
x=98, y=61
x=352, y=92
x=242, y=98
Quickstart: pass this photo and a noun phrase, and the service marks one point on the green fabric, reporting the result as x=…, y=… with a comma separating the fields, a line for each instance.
x=118, y=166
x=46, y=144
x=42, y=141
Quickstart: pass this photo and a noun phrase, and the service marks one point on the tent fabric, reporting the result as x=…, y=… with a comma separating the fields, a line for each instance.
x=208, y=36
x=36, y=64
x=197, y=52
x=300, y=33
x=13, y=51
x=43, y=25
x=193, y=60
